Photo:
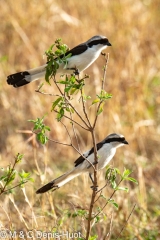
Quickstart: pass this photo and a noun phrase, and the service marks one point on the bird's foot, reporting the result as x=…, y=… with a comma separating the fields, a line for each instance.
x=76, y=71
x=94, y=188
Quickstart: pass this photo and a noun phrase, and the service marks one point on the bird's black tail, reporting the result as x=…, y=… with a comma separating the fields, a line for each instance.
x=18, y=79
x=22, y=78
x=60, y=181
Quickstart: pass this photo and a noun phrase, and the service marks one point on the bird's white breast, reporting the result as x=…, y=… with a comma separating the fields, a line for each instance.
x=83, y=60
x=105, y=154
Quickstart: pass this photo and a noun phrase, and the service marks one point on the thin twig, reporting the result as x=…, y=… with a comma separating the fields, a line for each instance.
x=67, y=132
x=55, y=141
x=84, y=108
x=110, y=228
x=71, y=119
x=18, y=185
x=6, y=214
x=98, y=196
x=126, y=221
x=102, y=187
x=108, y=200
x=70, y=145
x=30, y=206
x=75, y=134
x=105, y=69
x=9, y=175
x=19, y=212
x=102, y=87
x=61, y=94
x=71, y=105
x=49, y=94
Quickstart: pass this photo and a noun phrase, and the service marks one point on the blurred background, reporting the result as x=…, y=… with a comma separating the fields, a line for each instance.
x=28, y=28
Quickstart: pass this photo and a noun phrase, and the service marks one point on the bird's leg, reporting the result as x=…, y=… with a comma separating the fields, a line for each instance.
x=76, y=71
x=95, y=188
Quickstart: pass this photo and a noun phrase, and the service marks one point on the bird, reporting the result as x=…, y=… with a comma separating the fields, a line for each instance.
x=106, y=150
x=82, y=56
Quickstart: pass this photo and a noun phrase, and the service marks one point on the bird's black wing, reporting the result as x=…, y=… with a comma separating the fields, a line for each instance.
x=75, y=51
x=81, y=159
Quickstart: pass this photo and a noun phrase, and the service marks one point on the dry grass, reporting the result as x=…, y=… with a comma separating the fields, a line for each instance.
x=28, y=28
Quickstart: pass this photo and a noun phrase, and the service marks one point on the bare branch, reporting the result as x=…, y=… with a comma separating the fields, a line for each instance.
x=70, y=145
x=84, y=108
x=75, y=134
x=105, y=68
x=49, y=94
x=126, y=221
x=98, y=196
x=71, y=119
x=110, y=227
x=102, y=188
x=67, y=100
x=18, y=185
x=102, y=88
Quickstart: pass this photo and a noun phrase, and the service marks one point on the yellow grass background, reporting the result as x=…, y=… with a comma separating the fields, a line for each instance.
x=28, y=28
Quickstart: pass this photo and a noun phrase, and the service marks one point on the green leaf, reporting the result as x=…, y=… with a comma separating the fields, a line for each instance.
x=24, y=174
x=47, y=128
x=3, y=177
x=132, y=180
x=87, y=97
x=103, y=96
x=100, y=110
x=19, y=157
x=3, y=58
x=97, y=219
x=126, y=173
x=117, y=170
x=96, y=101
x=95, y=237
x=60, y=114
x=122, y=188
x=75, y=214
x=73, y=90
x=103, y=196
x=113, y=184
x=55, y=103
x=113, y=203
x=42, y=138
x=67, y=89
x=11, y=178
x=63, y=82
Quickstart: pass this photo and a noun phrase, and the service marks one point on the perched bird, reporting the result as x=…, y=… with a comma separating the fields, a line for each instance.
x=106, y=149
x=82, y=56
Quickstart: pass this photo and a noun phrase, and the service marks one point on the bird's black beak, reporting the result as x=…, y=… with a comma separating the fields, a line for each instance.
x=109, y=44
x=125, y=142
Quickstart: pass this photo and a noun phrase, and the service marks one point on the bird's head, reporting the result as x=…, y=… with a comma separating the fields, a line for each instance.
x=116, y=140
x=98, y=41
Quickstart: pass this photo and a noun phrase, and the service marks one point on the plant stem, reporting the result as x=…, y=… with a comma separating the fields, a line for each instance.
x=108, y=199
x=126, y=222
x=94, y=193
x=102, y=87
